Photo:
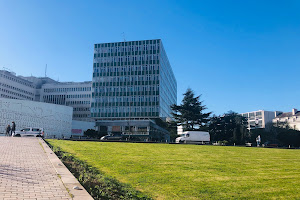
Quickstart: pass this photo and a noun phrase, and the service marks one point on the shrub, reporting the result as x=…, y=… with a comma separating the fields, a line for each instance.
x=99, y=185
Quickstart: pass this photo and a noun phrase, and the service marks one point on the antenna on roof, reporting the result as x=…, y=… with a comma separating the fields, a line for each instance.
x=46, y=71
x=123, y=34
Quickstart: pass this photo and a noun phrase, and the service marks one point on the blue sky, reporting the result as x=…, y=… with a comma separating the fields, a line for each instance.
x=240, y=55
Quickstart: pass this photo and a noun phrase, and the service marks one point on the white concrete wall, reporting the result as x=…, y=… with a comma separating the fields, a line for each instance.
x=55, y=119
x=78, y=127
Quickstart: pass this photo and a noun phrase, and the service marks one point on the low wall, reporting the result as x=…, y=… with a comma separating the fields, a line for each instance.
x=55, y=119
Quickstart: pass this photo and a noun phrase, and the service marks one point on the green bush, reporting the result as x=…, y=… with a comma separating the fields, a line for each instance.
x=95, y=182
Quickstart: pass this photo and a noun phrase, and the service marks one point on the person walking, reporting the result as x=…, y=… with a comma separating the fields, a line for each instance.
x=258, y=140
x=13, y=128
x=7, y=133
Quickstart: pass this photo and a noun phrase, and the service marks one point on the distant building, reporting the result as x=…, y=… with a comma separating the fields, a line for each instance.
x=45, y=89
x=292, y=118
x=14, y=87
x=38, y=82
x=132, y=81
x=258, y=119
x=74, y=94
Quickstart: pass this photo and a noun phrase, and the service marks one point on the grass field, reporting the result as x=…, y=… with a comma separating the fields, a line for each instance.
x=167, y=171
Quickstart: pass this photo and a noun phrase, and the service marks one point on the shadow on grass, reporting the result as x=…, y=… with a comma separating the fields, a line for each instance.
x=99, y=185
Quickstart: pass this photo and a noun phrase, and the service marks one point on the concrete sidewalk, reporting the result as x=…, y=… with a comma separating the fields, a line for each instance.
x=29, y=170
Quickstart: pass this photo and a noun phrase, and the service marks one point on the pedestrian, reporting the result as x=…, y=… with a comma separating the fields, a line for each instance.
x=13, y=128
x=7, y=130
x=258, y=140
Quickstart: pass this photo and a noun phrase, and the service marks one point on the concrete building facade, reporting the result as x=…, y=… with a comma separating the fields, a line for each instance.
x=14, y=87
x=45, y=89
x=132, y=81
x=258, y=119
x=74, y=94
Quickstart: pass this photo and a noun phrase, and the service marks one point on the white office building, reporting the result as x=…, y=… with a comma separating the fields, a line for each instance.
x=258, y=119
x=292, y=118
x=15, y=87
x=44, y=89
x=74, y=94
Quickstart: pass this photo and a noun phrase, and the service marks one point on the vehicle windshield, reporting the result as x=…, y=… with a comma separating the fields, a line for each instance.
x=184, y=135
x=26, y=129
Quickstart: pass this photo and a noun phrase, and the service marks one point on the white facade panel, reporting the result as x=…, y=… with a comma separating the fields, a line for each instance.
x=55, y=119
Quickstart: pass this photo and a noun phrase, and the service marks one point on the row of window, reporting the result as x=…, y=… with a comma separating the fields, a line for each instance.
x=77, y=102
x=126, y=115
x=127, y=78
x=19, y=96
x=78, y=96
x=9, y=97
x=81, y=115
x=291, y=119
x=131, y=83
x=129, y=55
x=124, y=44
x=125, y=49
x=117, y=109
x=76, y=89
x=124, y=74
x=127, y=99
x=28, y=84
x=98, y=68
x=137, y=88
x=124, y=104
x=120, y=94
x=147, y=62
x=17, y=89
x=253, y=115
x=81, y=109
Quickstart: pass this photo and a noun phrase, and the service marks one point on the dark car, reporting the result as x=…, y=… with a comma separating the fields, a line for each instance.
x=113, y=137
x=271, y=144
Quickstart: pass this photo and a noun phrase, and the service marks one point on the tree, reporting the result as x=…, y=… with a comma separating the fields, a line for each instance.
x=91, y=133
x=230, y=127
x=278, y=133
x=190, y=113
x=170, y=126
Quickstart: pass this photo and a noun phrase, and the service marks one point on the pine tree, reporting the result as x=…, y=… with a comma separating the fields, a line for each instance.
x=190, y=113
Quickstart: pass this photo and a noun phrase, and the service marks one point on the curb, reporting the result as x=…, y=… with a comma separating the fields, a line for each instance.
x=65, y=175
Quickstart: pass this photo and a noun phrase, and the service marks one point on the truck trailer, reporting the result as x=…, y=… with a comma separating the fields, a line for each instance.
x=194, y=137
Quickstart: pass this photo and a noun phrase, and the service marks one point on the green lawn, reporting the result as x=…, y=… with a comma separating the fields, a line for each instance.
x=167, y=171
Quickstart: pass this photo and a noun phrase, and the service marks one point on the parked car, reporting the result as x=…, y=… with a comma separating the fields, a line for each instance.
x=113, y=137
x=29, y=132
x=271, y=144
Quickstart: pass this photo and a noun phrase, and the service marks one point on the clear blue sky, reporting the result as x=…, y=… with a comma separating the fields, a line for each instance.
x=240, y=55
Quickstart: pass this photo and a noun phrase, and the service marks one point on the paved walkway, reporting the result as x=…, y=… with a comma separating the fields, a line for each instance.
x=26, y=171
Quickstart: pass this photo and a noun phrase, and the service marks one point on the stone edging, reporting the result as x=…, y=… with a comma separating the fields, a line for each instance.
x=65, y=175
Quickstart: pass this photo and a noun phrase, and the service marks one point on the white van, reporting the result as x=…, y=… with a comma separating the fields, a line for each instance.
x=195, y=137
x=29, y=132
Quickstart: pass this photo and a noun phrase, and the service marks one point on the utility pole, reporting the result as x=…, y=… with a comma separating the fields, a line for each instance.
x=46, y=71
x=123, y=34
